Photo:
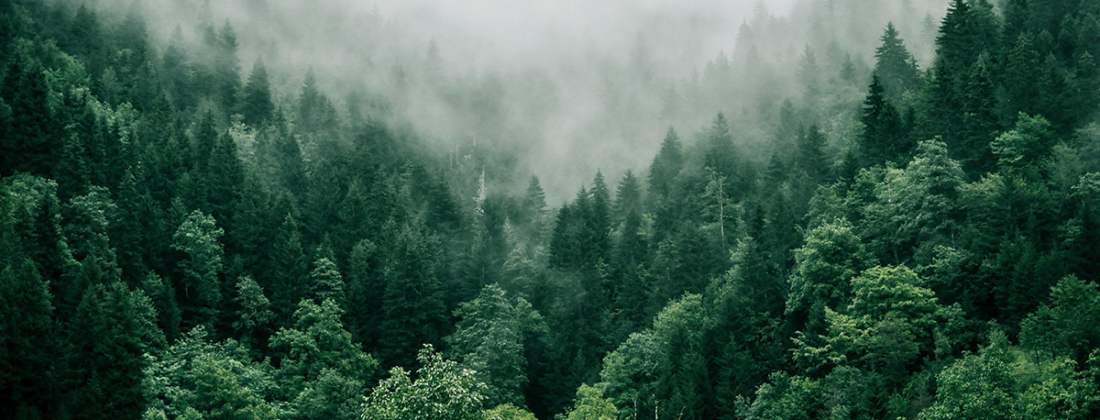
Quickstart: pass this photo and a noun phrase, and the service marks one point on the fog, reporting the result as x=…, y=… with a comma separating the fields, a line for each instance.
x=560, y=89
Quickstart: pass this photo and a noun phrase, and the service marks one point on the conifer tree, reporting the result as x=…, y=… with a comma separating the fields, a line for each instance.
x=290, y=268
x=111, y=333
x=365, y=280
x=200, y=267
x=883, y=138
x=666, y=165
x=254, y=313
x=325, y=282
x=256, y=105
x=27, y=334
x=412, y=299
x=895, y=66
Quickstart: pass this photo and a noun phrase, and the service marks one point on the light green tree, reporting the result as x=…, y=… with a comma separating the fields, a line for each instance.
x=442, y=390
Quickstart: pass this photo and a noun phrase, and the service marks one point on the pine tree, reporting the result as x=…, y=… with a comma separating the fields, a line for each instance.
x=227, y=68
x=325, y=282
x=256, y=105
x=365, y=280
x=600, y=219
x=811, y=154
x=290, y=270
x=895, y=66
x=27, y=337
x=163, y=297
x=666, y=165
x=981, y=118
x=1020, y=68
x=721, y=154
x=29, y=145
x=88, y=218
x=197, y=239
x=488, y=339
x=412, y=300
x=111, y=333
x=254, y=313
x=222, y=180
x=883, y=138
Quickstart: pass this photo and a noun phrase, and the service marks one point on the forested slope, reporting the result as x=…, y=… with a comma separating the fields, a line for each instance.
x=179, y=238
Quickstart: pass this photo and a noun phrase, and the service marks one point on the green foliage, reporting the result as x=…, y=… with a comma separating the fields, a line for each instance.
x=1067, y=325
x=254, y=314
x=318, y=341
x=442, y=389
x=326, y=282
x=824, y=266
x=195, y=378
x=884, y=137
x=256, y=105
x=197, y=240
x=112, y=335
x=895, y=67
x=123, y=158
x=591, y=405
x=508, y=412
x=489, y=340
x=412, y=300
x=1022, y=147
x=630, y=374
x=26, y=337
x=985, y=376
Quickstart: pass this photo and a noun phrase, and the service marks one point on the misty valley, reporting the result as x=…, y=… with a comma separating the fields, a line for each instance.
x=568, y=210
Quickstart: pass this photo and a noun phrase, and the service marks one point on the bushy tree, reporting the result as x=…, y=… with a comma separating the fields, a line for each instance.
x=442, y=389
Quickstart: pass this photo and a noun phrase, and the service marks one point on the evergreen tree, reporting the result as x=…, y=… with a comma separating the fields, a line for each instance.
x=113, y=330
x=316, y=350
x=980, y=121
x=412, y=299
x=200, y=266
x=227, y=68
x=256, y=105
x=895, y=67
x=163, y=297
x=325, y=282
x=365, y=280
x=28, y=145
x=666, y=165
x=488, y=340
x=27, y=340
x=254, y=313
x=883, y=138
x=811, y=154
x=290, y=268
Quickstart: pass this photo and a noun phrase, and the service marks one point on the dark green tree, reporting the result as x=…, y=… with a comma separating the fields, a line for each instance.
x=412, y=300
x=883, y=138
x=27, y=340
x=200, y=266
x=895, y=67
x=289, y=270
x=325, y=282
x=112, y=331
x=256, y=105
x=489, y=340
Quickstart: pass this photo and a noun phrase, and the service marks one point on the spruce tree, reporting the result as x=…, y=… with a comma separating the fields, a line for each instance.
x=895, y=66
x=27, y=340
x=883, y=138
x=198, y=242
x=256, y=105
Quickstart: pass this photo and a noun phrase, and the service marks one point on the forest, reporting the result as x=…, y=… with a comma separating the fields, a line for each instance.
x=273, y=209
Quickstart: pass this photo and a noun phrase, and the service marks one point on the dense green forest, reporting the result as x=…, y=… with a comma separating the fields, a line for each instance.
x=183, y=235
